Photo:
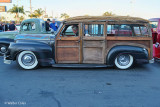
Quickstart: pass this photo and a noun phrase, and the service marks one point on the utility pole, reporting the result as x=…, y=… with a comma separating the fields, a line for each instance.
x=30, y=6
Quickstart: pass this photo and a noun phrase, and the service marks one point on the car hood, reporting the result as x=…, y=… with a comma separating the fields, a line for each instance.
x=34, y=37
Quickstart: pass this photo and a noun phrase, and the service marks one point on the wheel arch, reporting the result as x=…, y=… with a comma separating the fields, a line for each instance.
x=41, y=50
x=136, y=51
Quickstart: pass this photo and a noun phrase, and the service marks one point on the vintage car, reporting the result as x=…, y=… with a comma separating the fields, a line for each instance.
x=88, y=41
x=35, y=27
x=155, y=24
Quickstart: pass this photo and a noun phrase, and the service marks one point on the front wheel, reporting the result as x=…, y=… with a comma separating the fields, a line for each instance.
x=27, y=60
x=124, y=61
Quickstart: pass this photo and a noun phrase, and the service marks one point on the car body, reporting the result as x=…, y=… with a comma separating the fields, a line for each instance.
x=88, y=41
x=155, y=23
x=24, y=32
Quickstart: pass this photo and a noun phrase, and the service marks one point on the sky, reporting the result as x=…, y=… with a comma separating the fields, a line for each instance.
x=138, y=8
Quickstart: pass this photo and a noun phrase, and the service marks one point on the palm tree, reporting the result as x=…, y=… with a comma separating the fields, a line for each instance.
x=32, y=15
x=108, y=14
x=64, y=16
x=15, y=10
x=39, y=12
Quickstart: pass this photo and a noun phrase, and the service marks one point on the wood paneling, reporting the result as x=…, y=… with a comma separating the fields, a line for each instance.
x=93, y=51
x=68, y=54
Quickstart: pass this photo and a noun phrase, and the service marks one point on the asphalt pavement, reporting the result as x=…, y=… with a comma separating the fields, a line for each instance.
x=61, y=87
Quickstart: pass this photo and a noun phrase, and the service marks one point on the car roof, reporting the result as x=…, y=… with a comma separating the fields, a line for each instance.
x=154, y=19
x=106, y=18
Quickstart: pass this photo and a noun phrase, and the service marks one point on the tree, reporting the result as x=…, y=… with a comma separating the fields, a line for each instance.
x=15, y=10
x=108, y=14
x=2, y=18
x=21, y=18
x=64, y=16
x=37, y=13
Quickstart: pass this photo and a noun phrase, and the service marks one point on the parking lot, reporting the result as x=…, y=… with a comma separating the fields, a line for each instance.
x=60, y=87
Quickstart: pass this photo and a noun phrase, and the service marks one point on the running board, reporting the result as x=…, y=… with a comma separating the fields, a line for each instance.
x=80, y=65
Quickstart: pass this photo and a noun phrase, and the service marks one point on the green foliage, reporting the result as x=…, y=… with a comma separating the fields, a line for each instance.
x=64, y=16
x=15, y=9
x=37, y=13
x=108, y=14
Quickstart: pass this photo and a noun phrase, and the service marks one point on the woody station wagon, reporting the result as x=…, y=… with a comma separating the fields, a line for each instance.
x=90, y=41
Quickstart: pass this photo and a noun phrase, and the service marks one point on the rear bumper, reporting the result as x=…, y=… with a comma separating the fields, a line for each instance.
x=152, y=61
x=145, y=61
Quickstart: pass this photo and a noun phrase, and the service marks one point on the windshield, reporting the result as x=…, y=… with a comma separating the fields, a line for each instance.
x=154, y=24
x=59, y=28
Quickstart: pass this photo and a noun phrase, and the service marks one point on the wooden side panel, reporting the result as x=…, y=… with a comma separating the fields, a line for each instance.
x=93, y=51
x=67, y=51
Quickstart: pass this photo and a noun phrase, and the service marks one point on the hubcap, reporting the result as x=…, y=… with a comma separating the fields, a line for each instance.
x=28, y=59
x=123, y=60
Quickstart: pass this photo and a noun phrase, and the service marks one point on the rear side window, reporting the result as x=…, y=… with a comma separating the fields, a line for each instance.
x=119, y=30
x=112, y=30
x=144, y=31
x=93, y=30
x=125, y=30
x=137, y=31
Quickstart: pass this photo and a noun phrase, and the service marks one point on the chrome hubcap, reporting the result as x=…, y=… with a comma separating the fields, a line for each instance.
x=123, y=60
x=28, y=59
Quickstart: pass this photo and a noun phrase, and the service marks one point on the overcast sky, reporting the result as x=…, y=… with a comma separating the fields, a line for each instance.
x=140, y=8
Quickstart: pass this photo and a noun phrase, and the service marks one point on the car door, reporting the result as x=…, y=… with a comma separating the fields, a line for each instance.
x=94, y=43
x=68, y=45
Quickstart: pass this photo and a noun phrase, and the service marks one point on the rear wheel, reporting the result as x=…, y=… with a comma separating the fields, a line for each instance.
x=27, y=60
x=124, y=61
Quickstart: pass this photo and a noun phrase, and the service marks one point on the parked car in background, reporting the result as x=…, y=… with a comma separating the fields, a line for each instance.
x=35, y=27
x=87, y=41
x=155, y=23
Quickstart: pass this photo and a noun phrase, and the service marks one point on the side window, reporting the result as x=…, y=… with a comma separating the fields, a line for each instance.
x=144, y=31
x=125, y=30
x=71, y=30
x=94, y=30
x=119, y=30
x=112, y=30
x=137, y=31
x=28, y=27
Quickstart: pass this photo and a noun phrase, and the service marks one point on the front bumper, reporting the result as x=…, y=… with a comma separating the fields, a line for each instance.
x=7, y=60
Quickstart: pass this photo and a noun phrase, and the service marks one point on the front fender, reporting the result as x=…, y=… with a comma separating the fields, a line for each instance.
x=41, y=50
x=136, y=52
x=6, y=41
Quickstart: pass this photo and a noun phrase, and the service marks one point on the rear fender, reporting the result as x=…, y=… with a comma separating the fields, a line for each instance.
x=136, y=52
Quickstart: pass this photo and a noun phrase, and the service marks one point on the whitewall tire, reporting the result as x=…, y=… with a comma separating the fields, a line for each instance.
x=27, y=60
x=124, y=61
